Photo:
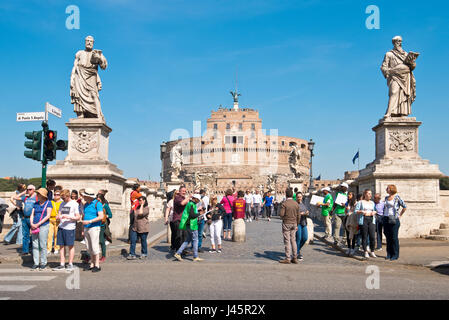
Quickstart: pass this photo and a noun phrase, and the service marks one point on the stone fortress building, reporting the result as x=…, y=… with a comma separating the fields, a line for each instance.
x=236, y=151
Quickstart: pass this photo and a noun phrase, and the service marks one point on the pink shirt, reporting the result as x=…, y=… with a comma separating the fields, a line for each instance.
x=227, y=204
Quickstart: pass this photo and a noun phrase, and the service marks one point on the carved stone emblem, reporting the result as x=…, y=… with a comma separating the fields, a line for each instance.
x=401, y=141
x=85, y=141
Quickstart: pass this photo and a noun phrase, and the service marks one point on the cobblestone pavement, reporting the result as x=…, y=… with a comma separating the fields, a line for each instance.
x=264, y=244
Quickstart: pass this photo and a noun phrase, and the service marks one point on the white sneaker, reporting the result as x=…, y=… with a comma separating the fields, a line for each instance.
x=56, y=251
x=250, y=220
x=366, y=254
x=106, y=242
x=368, y=249
x=83, y=242
x=372, y=255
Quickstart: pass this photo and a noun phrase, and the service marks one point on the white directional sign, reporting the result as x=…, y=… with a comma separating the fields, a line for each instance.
x=30, y=116
x=53, y=110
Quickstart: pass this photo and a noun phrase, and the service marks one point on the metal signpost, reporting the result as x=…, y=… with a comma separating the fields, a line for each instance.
x=42, y=143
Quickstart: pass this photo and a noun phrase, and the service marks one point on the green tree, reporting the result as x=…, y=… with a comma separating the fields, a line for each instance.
x=11, y=184
x=444, y=183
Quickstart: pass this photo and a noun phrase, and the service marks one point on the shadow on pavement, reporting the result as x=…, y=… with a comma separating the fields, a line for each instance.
x=270, y=255
x=442, y=269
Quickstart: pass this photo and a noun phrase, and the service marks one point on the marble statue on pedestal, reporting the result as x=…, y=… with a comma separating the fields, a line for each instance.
x=176, y=162
x=85, y=83
x=294, y=161
x=397, y=67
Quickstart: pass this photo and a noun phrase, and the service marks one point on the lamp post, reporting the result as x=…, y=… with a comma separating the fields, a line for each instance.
x=310, y=147
x=163, y=150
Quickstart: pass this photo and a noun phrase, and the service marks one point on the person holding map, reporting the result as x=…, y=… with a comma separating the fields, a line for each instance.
x=340, y=201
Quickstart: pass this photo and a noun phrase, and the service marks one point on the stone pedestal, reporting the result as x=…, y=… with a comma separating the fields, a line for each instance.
x=239, y=230
x=398, y=162
x=296, y=183
x=87, y=165
x=172, y=185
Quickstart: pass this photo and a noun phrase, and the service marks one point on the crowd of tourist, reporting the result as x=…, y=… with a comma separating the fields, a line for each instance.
x=364, y=218
x=45, y=222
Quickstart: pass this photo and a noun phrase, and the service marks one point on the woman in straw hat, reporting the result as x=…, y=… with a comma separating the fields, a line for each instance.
x=39, y=221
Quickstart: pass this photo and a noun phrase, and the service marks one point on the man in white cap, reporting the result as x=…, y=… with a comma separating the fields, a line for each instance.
x=28, y=198
x=340, y=211
x=326, y=208
x=92, y=216
x=189, y=222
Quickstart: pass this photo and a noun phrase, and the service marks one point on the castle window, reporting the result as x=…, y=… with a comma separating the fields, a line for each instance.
x=240, y=126
x=253, y=126
x=228, y=126
x=283, y=143
x=215, y=126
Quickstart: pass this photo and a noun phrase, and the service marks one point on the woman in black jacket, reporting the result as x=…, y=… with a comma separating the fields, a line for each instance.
x=215, y=219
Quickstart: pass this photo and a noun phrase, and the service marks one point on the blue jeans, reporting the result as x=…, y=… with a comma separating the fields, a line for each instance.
x=40, y=245
x=379, y=228
x=201, y=225
x=192, y=236
x=143, y=243
x=227, y=222
x=391, y=233
x=301, y=237
x=26, y=242
x=17, y=226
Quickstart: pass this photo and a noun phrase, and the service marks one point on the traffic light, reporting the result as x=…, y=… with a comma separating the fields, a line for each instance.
x=62, y=145
x=34, y=144
x=50, y=145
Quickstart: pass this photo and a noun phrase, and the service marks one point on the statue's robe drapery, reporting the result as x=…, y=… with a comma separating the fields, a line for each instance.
x=401, y=83
x=84, y=92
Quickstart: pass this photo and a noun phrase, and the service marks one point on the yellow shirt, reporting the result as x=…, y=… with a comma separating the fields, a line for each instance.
x=55, y=209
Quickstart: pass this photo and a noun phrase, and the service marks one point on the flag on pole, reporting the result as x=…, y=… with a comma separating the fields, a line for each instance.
x=355, y=157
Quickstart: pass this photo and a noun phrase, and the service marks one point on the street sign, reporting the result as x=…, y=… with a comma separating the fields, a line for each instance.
x=30, y=116
x=53, y=110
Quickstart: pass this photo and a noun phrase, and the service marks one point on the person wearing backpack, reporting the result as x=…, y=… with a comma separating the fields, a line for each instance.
x=189, y=222
x=92, y=216
x=28, y=197
x=40, y=223
x=228, y=203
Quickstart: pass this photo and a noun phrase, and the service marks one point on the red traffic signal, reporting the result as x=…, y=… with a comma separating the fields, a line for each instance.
x=50, y=135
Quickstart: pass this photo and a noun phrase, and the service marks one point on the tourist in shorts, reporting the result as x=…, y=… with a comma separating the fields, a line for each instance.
x=92, y=216
x=67, y=217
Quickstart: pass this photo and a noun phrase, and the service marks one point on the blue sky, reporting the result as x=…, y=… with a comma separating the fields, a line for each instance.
x=311, y=68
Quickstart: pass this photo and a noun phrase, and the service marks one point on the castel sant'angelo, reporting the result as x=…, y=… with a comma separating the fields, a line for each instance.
x=236, y=151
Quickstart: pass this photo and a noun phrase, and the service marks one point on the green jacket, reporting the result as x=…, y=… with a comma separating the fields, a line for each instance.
x=190, y=214
x=325, y=210
x=340, y=210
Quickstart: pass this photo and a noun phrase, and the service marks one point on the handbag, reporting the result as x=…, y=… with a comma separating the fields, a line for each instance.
x=37, y=230
x=392, y=219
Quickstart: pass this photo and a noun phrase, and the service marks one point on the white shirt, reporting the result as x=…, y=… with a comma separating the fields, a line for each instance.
x=390, y=207
x=205, y=201
x=249, y=198
x=257, y=199
x=70, y=208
